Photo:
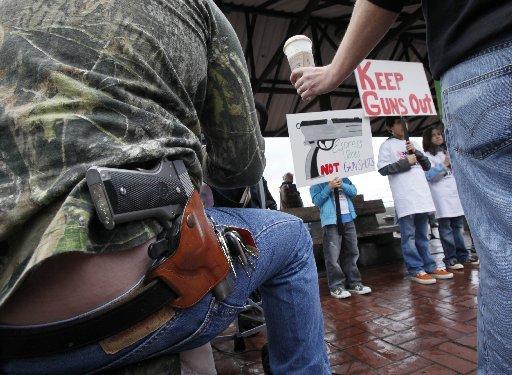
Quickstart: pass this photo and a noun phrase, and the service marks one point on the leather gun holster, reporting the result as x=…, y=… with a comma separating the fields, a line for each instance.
x=198, y=264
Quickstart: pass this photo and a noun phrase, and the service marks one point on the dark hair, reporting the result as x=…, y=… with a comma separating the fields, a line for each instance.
x=390, y=121
x=428, y=146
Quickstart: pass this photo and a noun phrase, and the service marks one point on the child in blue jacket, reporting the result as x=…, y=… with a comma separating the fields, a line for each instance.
x=340, y=250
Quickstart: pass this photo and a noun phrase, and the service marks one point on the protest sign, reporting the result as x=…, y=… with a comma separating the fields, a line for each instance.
x=330, y=144
x=394, y=88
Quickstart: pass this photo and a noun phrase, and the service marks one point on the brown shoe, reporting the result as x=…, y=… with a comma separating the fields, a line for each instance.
x=423, y=278
x=441, y=273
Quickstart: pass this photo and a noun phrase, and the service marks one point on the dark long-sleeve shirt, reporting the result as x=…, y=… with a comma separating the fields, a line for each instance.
x=403, y=165
x=457, y=29
x=118, y=83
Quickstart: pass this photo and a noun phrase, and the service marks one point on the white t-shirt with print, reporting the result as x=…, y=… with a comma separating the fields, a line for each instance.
x=410, y=190
x=444, y=191
x=343, y=203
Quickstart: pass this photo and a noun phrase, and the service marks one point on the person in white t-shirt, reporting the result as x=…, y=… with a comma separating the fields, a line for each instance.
x=405, y=165
x=449, y=211
x=339, y=243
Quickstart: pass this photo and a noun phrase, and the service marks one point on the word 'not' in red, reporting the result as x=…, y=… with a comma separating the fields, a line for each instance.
x=329, y=168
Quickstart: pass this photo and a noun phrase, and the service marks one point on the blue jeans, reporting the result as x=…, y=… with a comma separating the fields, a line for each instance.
x=477, y=99
x=288, y=281
x=414, y=240
x=341, y=254
x=451, y=231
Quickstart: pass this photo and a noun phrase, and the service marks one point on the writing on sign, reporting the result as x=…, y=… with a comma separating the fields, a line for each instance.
x=330, y=144
x=394, y=88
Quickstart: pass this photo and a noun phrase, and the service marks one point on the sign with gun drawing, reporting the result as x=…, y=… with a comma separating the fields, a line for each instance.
x=394, y=88
x=330, y=144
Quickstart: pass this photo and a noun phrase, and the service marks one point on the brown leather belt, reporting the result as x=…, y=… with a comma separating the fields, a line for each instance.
x=42, y=340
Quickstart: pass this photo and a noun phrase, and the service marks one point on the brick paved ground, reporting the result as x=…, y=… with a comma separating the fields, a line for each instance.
x=401, y=328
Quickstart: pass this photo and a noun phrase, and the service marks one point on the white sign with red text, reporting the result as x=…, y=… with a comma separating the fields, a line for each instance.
x=330, y=144
x=394, y=88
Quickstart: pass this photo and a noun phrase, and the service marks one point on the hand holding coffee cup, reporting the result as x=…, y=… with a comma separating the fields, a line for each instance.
x=309, y=80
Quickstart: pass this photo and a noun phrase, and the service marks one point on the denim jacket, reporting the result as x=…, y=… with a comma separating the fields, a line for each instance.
x=323, y=197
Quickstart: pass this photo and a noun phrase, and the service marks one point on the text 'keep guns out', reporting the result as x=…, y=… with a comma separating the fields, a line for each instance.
x=377, y=94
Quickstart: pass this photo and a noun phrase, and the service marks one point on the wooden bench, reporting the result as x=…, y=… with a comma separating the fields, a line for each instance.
x=376, y=241
x=366, y=222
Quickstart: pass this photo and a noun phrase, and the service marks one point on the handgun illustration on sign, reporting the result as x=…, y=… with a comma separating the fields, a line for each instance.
x=321, y=134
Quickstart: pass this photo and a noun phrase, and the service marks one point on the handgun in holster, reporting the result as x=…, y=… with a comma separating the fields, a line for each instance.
x=189, y=254
x=191, y=257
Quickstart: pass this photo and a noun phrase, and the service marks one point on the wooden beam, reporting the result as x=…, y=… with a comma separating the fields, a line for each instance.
x=250, y=24
x=405, y=52
x=294, y=28
x=275, y=81
x=364, y=208
x=325, y=34
x=331, y=3
x=268, y=3
x=231, y=7
x=284, y=128
x=325, y=99
x=395, y=49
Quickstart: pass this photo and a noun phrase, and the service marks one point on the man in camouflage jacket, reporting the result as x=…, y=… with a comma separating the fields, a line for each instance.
x=117, y=83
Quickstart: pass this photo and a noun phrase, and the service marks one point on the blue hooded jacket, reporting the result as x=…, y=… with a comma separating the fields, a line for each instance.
x=323, y=197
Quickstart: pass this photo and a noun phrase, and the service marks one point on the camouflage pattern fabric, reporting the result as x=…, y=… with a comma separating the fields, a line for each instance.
x=118, y=83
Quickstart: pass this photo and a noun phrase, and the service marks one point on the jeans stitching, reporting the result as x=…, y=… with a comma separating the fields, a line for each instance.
x=471, y=129
x=490, y=49
x=296, y=220
x=487, y=153
x=496, y=73
x=274, y=224
x=306, y=253
x=446, y=112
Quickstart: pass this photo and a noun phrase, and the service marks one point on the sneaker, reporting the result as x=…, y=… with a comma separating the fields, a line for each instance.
x=472, y=260
x=453, y=264
x=441, y=273
x=340, y=293
x=423, y=278
x=360, y=289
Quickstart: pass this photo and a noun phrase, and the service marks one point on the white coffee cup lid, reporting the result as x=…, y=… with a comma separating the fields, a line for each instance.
x=297, y=43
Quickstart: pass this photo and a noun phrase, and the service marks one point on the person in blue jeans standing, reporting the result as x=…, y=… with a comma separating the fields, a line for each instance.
x=404, y=166
x=449, y=212
x=340, y=249
x=470, y=50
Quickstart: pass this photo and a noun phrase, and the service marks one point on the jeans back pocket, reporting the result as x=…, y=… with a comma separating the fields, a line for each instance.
x=478, y=114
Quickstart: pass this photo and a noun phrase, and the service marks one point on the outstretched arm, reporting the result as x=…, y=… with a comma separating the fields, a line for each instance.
x=368, y=25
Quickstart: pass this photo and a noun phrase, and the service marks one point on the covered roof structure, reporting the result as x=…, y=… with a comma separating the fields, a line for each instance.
x=264, y=25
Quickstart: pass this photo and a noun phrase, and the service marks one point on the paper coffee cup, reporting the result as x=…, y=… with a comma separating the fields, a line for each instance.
x=299, y=51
